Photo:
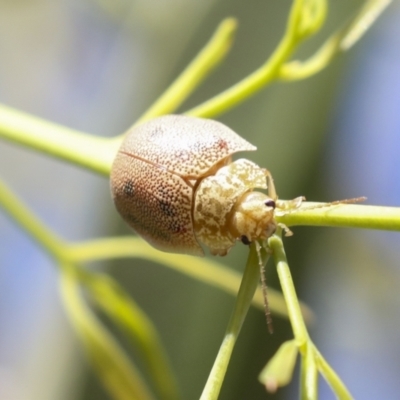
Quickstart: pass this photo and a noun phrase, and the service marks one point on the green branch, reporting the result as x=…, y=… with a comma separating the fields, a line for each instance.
x=344, y=215
x=91, y=152
x=311, y=358
x=204, y=270
x=32, y=225
x=116, y=371
x=305, y=19
x=339, y=42
x=204, y=63
x=243, y=300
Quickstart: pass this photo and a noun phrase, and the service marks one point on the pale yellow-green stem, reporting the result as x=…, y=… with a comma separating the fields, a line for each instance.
x=204, y=63
x=205, y=270
x=289, y=292
x=309, y=375
x=117, y=373
x=243, y=300
x=306, y=348
x=263, y=75
x=331, y=377
x=88, y=151
x=32, y=225
x=344, y=215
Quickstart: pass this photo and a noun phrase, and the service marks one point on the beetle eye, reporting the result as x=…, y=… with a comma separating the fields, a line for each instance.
x=245, y=240
x=270, y=203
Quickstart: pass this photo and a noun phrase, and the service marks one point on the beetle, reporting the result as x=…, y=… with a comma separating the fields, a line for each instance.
x=174, y=182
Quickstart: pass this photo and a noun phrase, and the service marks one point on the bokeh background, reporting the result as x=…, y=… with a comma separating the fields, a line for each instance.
x=95, y=65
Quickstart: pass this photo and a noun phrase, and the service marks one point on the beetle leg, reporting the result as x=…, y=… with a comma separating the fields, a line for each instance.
x=267, y=310
x=271, y=185
x=287, y=231
x=290, y=205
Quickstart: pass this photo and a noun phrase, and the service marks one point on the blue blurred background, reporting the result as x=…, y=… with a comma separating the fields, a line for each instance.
x=96, y=65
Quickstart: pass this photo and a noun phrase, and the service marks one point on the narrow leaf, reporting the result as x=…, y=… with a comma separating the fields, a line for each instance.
x=279, y=370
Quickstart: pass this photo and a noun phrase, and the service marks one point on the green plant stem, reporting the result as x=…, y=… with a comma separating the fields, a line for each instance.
x=344, y=215
x=296, y=70
x=313, y=16
x=289, y=291
x=118, y=375
x=309, y=376
x=259, y=78
x=340, y=41
x=15, y=209
x=205, y=270
x=331, y=377
x=369, y=12
x=112, y=299
x=246, y=292
x=88, y=151
x=304, y=343
x=245, y=88
x=208, y=58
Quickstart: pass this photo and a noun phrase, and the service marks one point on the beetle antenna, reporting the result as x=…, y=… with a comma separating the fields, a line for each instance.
x=338, y=202
x=267, y=310
x=332, y=203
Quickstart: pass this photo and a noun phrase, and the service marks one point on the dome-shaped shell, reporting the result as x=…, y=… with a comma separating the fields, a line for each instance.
x=153, y=172
x=186, y=146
